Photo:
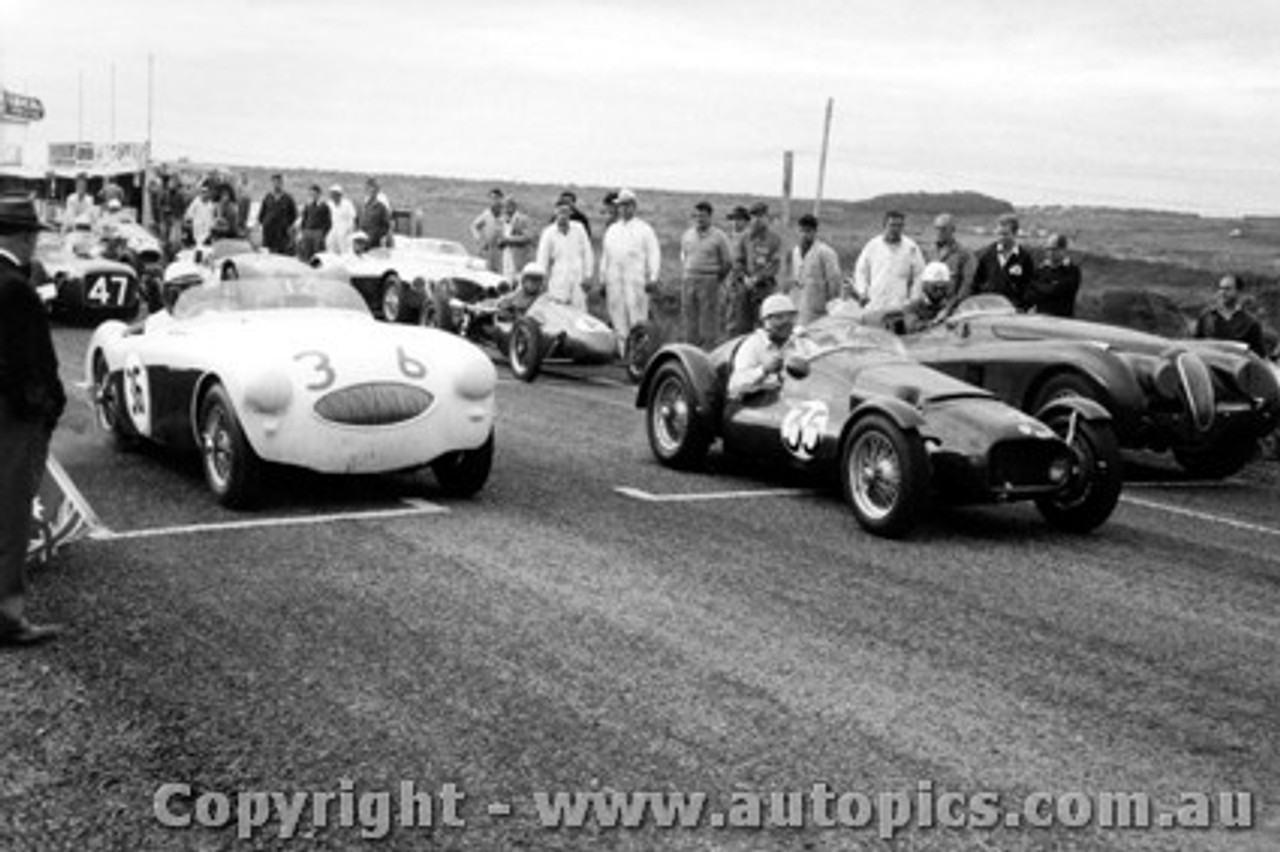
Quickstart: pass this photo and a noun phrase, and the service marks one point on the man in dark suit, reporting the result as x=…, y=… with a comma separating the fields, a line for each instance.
x=31, y=401
x=1004, y=267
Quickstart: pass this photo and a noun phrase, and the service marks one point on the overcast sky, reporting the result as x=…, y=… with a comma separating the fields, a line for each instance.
x=1171, y=105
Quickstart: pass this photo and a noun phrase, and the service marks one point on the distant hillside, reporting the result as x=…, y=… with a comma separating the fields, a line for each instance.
x=933, y=203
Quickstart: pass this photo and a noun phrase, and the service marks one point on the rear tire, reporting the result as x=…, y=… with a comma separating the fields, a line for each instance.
x=677, y=436
x=464, y=472
x=232, y=469
x=391, y=304
x=884, y=472
x=1093, y=487
x=1217, y=461
x=524, y=349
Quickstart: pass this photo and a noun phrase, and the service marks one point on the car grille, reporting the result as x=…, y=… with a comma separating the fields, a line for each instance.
x=373, y=404
x=1022, y=463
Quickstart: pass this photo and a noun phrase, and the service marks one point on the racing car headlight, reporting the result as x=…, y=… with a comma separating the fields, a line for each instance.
x=476, y=379
x=269, y=392
x=1257, y=379
x=1059, y=470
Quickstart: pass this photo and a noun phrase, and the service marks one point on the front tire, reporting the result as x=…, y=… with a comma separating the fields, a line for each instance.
x=107, y=406
x=677, y=436
x=524, y=349
x=1065, y=385
x=1093, y=486
x=232, y=469
x=638, y=350
x=464, y=472
x=884, y=472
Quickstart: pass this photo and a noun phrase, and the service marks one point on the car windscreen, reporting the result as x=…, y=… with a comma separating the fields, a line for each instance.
x=985, y=303
x=259, y=294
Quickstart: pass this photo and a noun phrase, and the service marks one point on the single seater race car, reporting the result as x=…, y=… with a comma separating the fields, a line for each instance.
x=81, y=284
x=294, y=371
x=549, y=331
x=400, y=283
x=892, y=430
x=1208, y=401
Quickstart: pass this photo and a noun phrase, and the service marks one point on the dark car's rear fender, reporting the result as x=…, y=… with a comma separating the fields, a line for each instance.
x=707, y=394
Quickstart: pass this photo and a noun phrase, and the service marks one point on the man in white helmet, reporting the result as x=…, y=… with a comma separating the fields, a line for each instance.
x=533, y=279
x=758, y=363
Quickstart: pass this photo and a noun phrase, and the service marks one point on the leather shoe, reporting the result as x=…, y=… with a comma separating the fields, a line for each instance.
x=24, y=633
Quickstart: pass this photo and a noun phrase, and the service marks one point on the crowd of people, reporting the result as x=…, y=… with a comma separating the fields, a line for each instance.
x=726, y=273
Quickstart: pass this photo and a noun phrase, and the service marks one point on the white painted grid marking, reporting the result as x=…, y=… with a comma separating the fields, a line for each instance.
x=414, y=507
x=686, y=497
x=1200, y=516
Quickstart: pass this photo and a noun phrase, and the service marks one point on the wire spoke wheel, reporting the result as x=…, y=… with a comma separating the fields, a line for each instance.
x=876, y=473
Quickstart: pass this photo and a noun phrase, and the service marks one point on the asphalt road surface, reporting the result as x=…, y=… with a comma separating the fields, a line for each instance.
x=714, y=632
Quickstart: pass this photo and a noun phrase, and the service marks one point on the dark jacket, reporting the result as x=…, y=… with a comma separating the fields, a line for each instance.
x=29, y=380
x=316, y=217
x=1240, y=326
x=375, y=220
x=1013, y=280
x=277, y=215
x=1053, y=290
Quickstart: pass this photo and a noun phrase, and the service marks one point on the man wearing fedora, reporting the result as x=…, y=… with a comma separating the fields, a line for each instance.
x=31, y=401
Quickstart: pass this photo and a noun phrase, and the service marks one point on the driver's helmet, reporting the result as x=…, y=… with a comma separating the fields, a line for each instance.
x=533, y=273
x=359, y=240
x=777, y=304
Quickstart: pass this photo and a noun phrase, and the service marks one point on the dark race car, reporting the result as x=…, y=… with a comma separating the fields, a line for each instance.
x=1208, y=401
x=893, y=431
x=84, y=285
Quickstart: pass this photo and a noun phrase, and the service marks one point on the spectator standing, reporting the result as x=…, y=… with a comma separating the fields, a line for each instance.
x=375, y=216
x=486, y=230
x=316, y=221
x=815, y=272
x=31, y=401
x=756, y=265
x=575, y=213
x=244, y=206
x=564, y=252
x=276, y=215
x=705, y=261
x=516, y=242
x=947, y=249
x=1057, y=281
x=1229, y=319
x=730, y=307
x=608, y=210
x=887, y=273
x=200, y=215
x=342, y=218
x=630, y=264
x=1004, y=267
x=226, y=215
x=79, y=212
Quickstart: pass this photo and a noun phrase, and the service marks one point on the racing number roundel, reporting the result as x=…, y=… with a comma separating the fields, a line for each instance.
x=137, y=393
x=803, y=426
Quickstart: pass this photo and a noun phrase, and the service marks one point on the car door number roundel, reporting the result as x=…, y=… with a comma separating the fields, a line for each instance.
x=137, y=393
x=803, y=427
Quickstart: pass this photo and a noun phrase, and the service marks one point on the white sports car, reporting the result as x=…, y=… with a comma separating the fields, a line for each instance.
x=398, y=283
x=295, y=371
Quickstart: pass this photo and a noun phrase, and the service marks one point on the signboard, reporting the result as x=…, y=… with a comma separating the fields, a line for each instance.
x=16, y=107
x=107, y=156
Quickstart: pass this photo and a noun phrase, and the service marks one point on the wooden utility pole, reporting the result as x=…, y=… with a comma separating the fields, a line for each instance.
x=788, y=159
x=822, y=162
